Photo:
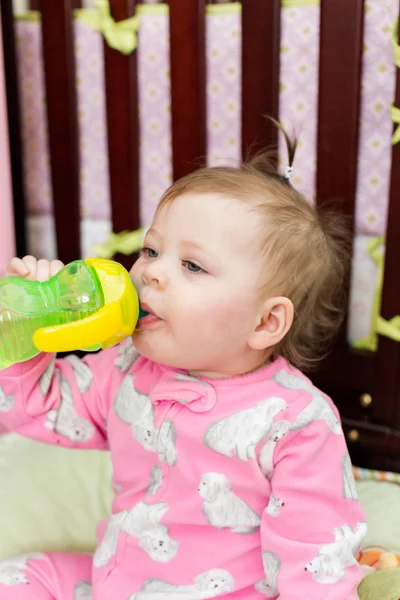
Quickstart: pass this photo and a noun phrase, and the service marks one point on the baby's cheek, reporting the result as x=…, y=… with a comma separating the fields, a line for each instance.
x=229, y=317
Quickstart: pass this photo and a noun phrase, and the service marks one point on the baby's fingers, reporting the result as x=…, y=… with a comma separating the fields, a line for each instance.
x=32, y=269
x=55, y=266
x=31, y=263
x=46, y=269
x=17, y=267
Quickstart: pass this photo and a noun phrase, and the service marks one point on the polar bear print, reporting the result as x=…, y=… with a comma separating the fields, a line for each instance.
x=222, y=508
x=83, y=591
x=167, y=443
x=274, y=506
x=46, y=378
x=144, y=431
x=349, y=485
x=272, y=566
x=127, y=355
x=158, y=544
x=330, y=564
x=156, y=480
x=136, y=410
x=143, y=522
x=239, y=433
x=292, y=382
x=82, y=372
x=319, y=409
x=108, y=545
x=12, y=570
x=6, y=402
x=129, y=404
x=143, y=517
x=209, y=584
x=266, y=458
x=65, y=420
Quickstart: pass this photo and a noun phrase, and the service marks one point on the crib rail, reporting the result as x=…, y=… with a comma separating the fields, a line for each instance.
x=14, y=123
x=121, y=81
x=59, y=69
x=188, y=85
x=387, y=384
x=260, y=73
x=338, y=131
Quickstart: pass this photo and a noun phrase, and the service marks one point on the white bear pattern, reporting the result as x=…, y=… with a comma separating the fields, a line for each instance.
x=167, y=442
x=12, y=570
x=6, y=402
x=65, y=420
x=46, y=378
x=318, y=409
x=143, y=522
x=272, y=566
x=349, y=485
x=239, y=433
x=83, y=591
x=274, y=506
x=222, y=508
x=156, y=480
x=266, y=458
x=127, y=355
x=329, y=566
x=82, y=372
x=136, y=410
x=108, y=546
x=209, y=584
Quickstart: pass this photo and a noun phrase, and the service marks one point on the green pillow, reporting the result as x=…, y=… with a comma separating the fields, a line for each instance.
x=381, y=585
x=381, y=501
x=51, y=498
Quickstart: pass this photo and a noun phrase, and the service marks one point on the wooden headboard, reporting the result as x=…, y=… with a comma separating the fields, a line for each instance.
x=365, y=386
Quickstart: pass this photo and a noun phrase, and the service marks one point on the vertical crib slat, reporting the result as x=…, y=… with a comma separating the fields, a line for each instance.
x=188, y=84
x=342, y=23
x=341, y=39
x=14, y=124
x=123, y=130
x=59, y=67
x=260, y=73
x=388, y=356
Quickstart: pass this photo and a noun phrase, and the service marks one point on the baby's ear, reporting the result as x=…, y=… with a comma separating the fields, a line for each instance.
x=273, y=323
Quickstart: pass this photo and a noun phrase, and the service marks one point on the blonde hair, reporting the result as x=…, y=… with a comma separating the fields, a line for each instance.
x=305, y=250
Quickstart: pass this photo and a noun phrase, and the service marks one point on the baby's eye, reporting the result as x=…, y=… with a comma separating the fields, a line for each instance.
x=150, y=252
x=192, y=267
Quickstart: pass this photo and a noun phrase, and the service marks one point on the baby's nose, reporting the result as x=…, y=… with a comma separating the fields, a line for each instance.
x=156, y=276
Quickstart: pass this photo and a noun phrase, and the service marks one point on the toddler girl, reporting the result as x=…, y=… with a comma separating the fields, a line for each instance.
x=230, y=469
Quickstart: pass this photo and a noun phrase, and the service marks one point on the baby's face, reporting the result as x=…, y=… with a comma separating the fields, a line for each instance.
x=198, y=277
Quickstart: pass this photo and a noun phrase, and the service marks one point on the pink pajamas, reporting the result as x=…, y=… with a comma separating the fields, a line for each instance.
x=47, y=576
x=240, y=488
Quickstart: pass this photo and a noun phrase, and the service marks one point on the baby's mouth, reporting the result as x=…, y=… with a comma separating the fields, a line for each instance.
x=145, y=310
x=142, y=313
x=147, y=318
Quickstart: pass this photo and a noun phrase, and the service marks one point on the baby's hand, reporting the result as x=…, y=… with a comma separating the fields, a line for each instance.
x=31, y=268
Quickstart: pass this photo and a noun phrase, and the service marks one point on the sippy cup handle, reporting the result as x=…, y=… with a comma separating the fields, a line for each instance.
x=105, y=327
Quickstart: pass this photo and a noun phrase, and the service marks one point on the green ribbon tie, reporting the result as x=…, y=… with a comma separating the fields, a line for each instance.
x=121, y=35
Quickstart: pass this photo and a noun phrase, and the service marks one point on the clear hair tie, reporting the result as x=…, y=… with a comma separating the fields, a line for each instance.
x=288, y=172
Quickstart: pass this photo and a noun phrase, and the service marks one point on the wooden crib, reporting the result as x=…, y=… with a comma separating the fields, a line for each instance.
x=365, y=386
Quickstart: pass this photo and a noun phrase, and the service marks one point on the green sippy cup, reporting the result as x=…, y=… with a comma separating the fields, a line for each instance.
x=89, y=304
